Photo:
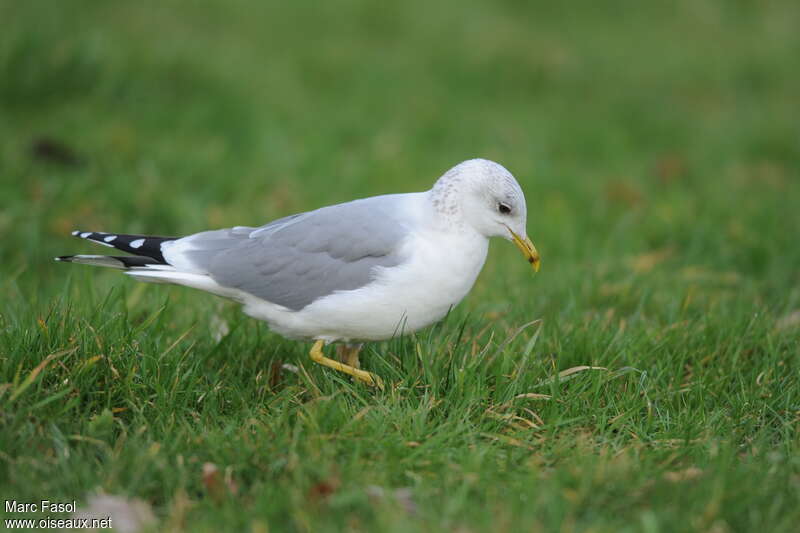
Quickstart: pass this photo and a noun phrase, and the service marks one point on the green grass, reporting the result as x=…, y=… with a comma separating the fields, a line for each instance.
x=659, y=148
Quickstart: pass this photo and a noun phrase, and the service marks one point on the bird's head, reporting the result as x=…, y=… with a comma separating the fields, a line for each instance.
x=487, y=197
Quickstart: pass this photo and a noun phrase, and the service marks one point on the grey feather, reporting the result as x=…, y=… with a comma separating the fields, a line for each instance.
x=296, y=260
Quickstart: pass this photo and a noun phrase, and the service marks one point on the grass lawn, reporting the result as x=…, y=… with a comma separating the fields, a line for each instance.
x=658, y=144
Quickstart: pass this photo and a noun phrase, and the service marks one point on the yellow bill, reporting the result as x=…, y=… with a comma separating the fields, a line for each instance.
x=528, y=250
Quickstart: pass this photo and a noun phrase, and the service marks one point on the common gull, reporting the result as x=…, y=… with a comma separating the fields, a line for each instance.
x=365, y=270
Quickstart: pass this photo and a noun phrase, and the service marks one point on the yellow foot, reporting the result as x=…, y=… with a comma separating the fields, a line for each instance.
x=367, y=377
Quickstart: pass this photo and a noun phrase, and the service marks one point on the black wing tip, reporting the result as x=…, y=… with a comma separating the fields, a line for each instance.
x=141, y=245
x=64, y=258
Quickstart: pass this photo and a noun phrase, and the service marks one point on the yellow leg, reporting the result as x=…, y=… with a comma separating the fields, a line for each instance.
x=348, y=353
x=352, y=356
x=319, y=357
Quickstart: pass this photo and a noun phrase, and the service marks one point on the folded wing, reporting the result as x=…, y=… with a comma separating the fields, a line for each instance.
x=298, y=259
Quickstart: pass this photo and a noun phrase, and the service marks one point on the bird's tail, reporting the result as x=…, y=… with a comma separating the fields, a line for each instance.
x=148, y=263
x=147, y=250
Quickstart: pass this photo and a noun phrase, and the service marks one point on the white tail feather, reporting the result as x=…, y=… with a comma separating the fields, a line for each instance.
x=187, y=279
x=95, y=260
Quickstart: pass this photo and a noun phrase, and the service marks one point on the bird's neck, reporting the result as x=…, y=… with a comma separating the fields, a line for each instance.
x=445, y=200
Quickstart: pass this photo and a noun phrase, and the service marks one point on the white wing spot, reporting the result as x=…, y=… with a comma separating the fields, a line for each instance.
x=109, y=238
x=84, y=235
x=137, y=243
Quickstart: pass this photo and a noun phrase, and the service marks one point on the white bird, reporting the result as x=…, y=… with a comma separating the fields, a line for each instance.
x=365, y=270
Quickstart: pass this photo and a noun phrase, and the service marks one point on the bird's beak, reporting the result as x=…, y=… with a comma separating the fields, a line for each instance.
x=527, y=248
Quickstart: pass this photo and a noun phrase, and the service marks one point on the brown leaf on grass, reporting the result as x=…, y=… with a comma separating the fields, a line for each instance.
x=217, y=486
x=623, y=192
x=683, y=475
x=54, y=151
x=275, y=375
x=670, y=167
x=322, y=490
x=128, y=515
x=788, y=322
x=646, y=262
x=212, y=481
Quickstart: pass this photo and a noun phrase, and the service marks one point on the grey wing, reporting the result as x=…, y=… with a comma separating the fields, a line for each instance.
x=296, y=260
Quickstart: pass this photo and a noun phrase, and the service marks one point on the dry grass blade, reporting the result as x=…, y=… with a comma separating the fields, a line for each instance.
x=175, y=343
x=576, y=369
x=28, y=381
x=683, y=475
x=532, y=396
x=568, y=374
x=505, y=439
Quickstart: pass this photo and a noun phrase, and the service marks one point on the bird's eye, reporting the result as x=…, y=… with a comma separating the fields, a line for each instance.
x=504, y=208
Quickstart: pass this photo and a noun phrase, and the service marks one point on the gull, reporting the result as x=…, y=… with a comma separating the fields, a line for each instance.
x=360, y=271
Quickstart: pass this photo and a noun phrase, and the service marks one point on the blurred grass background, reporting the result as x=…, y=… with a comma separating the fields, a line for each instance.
x=659, y=147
